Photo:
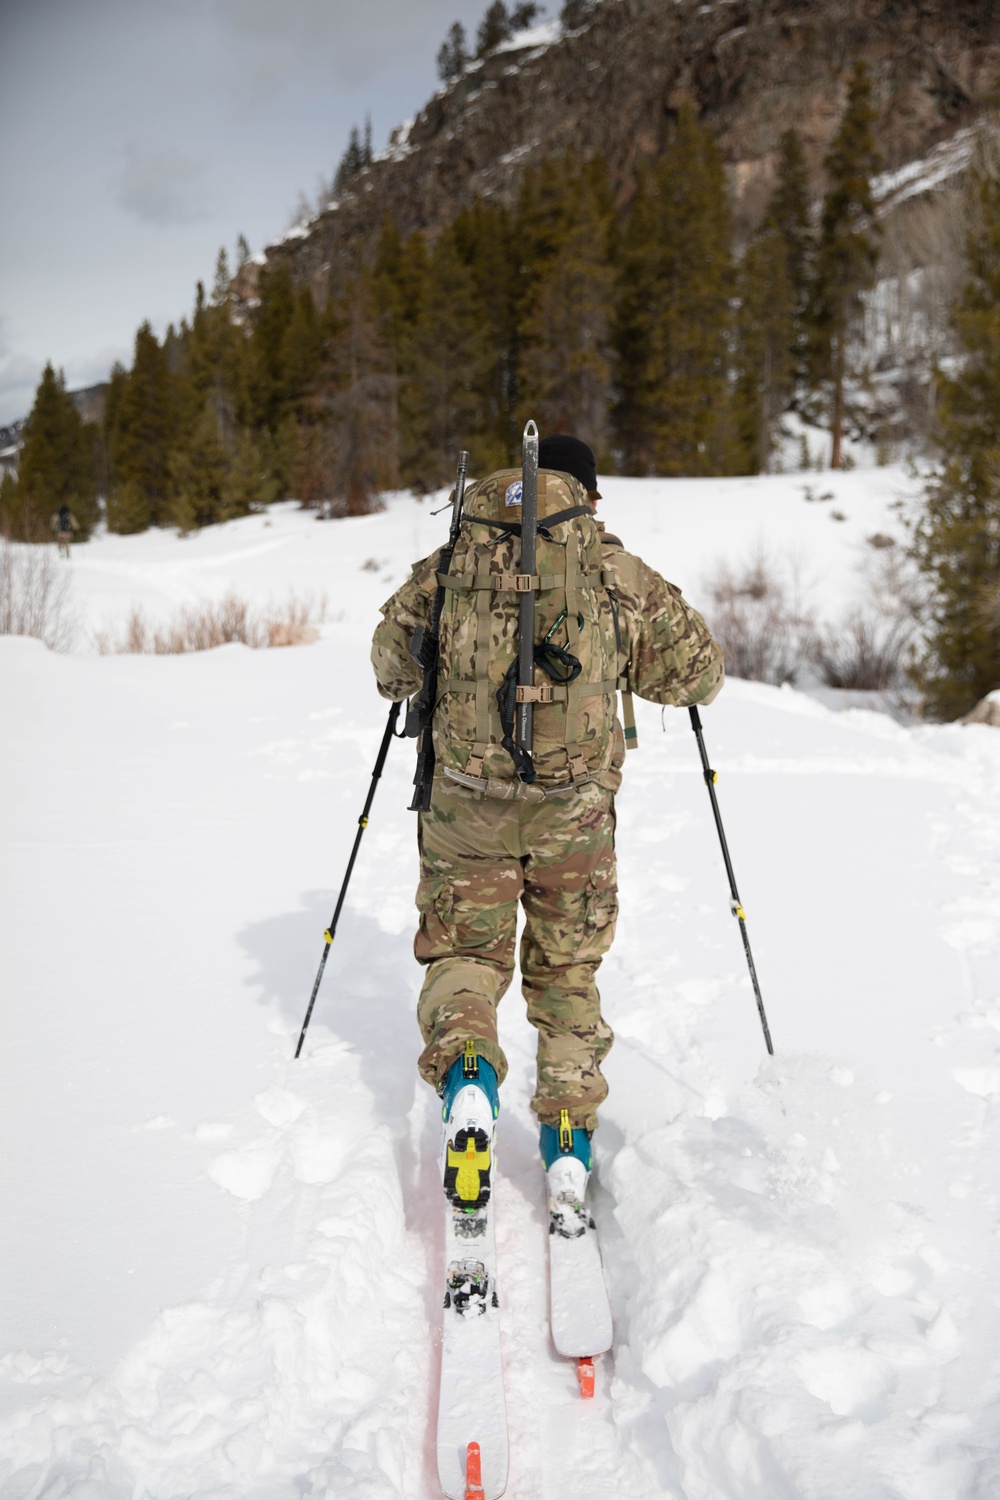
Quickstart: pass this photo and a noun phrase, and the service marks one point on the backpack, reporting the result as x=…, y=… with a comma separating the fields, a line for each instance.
x=577, y=737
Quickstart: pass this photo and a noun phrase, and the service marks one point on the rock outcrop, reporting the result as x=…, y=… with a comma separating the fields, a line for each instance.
x=986, y=711
x=752, y=68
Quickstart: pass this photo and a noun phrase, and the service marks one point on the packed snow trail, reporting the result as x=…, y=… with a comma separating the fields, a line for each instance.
x=225, y=1280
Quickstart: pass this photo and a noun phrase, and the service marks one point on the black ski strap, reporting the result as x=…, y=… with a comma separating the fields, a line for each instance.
x=513, y=528
x=507, y=704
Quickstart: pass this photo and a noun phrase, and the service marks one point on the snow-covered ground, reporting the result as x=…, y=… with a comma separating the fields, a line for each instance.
x=219, y=1275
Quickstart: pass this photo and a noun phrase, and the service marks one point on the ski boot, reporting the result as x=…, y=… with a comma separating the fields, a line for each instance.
x=567, y=1160
x=470, y=1105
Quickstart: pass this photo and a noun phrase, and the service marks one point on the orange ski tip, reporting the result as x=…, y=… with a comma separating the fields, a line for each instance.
x=474, y=1473
x=585, y=1375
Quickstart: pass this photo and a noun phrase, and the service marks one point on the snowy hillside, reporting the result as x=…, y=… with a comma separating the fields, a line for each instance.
x=220, y=1277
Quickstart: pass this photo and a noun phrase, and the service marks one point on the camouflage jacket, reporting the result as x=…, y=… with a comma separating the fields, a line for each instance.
x=665, y=653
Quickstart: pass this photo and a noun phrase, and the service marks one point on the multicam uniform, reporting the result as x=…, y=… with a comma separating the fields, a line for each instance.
x=488, y=843
x=63, y=525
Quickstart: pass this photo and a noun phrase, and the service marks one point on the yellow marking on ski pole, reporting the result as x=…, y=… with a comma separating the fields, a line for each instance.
x=739, y=912
x=328, y=937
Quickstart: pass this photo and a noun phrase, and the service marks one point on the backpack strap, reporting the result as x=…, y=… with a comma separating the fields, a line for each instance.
x=628, y=707
x=628, y=714
x=513, y=528
x=578, y=768
x=513, y=583
x=542, y=692
x=481, y=743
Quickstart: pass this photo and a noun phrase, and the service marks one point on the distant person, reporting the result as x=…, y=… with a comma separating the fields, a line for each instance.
x=489, y=843
x=63, y=524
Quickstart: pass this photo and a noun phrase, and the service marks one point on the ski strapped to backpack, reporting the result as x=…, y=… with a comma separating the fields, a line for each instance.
x=424, y=650
x=520, y=750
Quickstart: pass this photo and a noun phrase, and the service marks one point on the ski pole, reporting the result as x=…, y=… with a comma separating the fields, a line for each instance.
x=737, y=905
x=331, y=931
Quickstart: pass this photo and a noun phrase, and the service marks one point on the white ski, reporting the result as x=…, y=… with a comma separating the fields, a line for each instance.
x=471, y=1405
x=578, y=1298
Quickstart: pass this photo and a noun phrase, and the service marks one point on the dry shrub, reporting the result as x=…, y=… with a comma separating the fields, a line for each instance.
x=298, y=620
x=204, y=626
x=757, y=618
x=35, y=595
x=868, y=653
x=871, y=650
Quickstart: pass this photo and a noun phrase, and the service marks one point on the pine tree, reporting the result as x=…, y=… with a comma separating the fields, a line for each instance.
x=268, y=393
x=57, y=465
x=847, y=255
x=764, y=348
x=249, y=482
x=350, y=441
x=445, y=366
x=352, y=163
x=11, y=517
x=494, y=28
x=198, y=471
x=453, y=55
x=486, y=239
x=957, y=540
x=144, y=417
x=789, y=213
x=672, y=315
x=773, y=290
x=562, y=232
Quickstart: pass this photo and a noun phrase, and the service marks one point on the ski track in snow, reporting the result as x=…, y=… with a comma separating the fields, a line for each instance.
x=226, y=1281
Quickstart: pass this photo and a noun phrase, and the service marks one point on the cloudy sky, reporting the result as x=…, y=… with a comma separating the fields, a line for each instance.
x=140, y=135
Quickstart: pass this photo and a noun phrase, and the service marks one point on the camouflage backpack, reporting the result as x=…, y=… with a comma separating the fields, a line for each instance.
x=577, y=736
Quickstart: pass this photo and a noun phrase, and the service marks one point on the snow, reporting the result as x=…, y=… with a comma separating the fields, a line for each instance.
x=540, y=36
x=223, y=1280
x=945, y=161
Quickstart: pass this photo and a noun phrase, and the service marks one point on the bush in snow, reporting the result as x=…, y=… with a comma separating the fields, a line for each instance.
x=758, y=620
x=872, y=649
x=35, y=595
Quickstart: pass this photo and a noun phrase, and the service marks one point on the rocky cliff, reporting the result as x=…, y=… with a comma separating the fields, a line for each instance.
x=753, y=68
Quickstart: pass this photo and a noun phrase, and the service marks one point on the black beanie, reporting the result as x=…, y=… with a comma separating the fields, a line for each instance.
x=570, y=456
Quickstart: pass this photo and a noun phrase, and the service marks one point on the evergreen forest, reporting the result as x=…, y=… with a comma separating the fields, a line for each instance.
x=647, y=331
x=641, y=331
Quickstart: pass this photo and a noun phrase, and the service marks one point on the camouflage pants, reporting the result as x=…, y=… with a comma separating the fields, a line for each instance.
x=478, y=859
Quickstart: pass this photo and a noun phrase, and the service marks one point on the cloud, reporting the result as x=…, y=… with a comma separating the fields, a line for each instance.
x=285, y=42
x=19, y=377
x=20, y=373
x=163, y=190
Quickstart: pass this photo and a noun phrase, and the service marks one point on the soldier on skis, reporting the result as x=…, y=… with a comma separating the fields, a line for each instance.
x=491, y=838
x=63, y=524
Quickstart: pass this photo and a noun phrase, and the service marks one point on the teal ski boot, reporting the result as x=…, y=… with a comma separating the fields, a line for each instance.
x=470, y=1104
x=567, y=1160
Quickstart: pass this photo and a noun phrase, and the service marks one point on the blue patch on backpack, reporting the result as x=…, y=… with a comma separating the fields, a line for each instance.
x=513, y=495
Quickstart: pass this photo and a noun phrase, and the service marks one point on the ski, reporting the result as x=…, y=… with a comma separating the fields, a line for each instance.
x=472, y=1450
x=580, y=1312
